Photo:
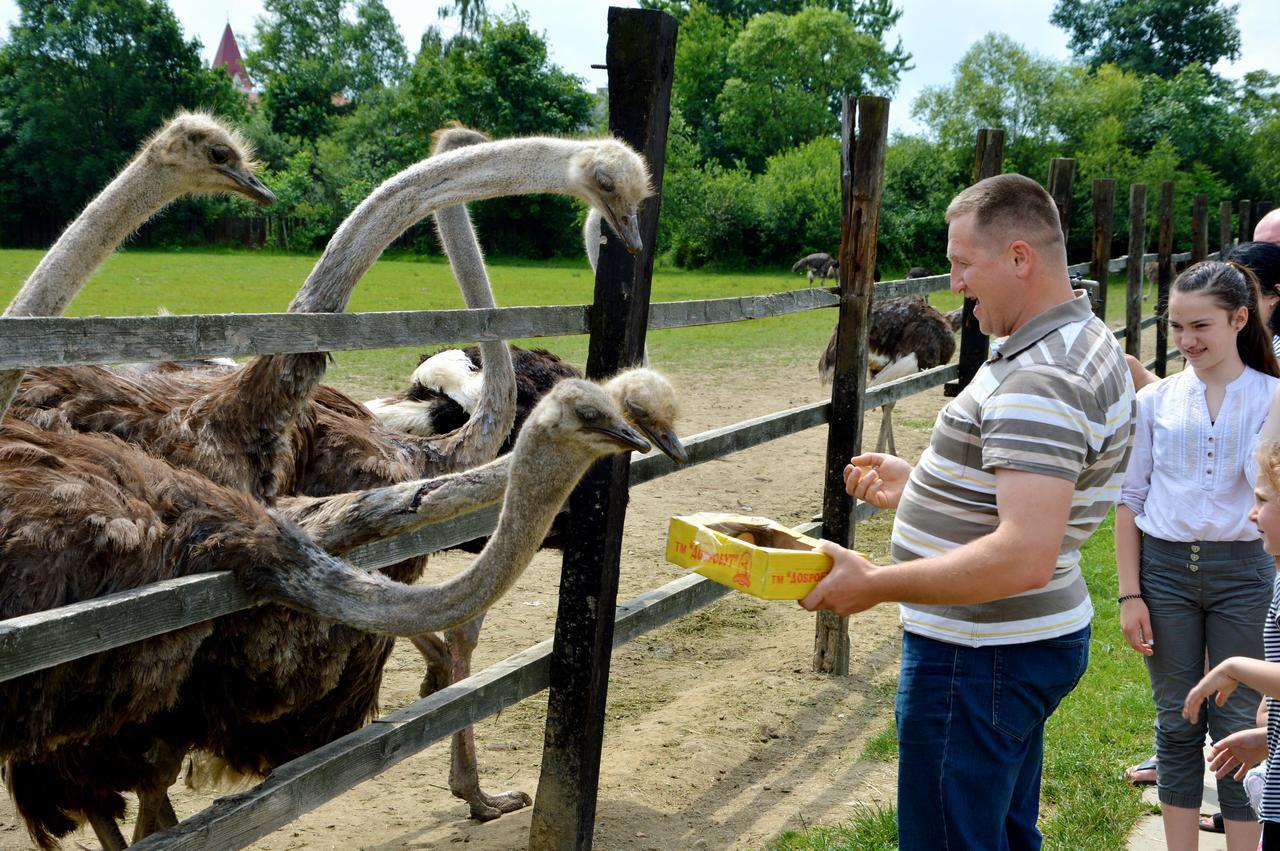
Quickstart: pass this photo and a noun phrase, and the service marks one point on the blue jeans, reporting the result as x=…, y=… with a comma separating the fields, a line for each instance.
x=971, y=738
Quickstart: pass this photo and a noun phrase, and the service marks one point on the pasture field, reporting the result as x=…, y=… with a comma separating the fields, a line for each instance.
x=717, y=735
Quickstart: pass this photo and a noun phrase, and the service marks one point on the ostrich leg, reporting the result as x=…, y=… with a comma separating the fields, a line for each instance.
x=464, y=771
x=439, y=667
x=108, y=832
x=886, y=430
x=155, y=811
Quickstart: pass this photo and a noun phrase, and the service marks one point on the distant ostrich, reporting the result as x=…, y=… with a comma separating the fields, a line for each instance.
x=328, y=445
x=192, y=153
x=88, y=515
x=907, y=335
x=819, y=264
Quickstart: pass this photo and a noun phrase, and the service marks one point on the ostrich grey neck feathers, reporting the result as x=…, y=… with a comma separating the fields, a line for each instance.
x=509, y=167
x=543, y=472
x=120, y=209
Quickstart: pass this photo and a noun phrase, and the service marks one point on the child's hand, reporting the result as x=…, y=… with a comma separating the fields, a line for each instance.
x=1217, y=680
x=1135, y=620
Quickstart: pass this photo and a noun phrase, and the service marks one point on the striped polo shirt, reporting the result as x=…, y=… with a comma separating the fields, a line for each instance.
x=1057, y=399
x=1270, y=809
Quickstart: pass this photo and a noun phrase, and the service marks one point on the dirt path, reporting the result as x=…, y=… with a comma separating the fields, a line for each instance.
x=718, y=734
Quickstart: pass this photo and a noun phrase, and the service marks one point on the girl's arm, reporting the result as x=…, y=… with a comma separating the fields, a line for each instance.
x=1223, y=679
x=1271, y=428
x=1135, y=620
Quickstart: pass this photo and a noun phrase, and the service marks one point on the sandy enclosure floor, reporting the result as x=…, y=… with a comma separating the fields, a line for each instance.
x=718, y=733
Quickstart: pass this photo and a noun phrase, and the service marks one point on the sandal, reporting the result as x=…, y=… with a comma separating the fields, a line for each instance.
x=1212, y=824
x=1142, y=774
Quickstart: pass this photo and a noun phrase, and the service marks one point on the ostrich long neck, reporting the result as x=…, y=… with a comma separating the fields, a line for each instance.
x=541, y=479
x=120, y=209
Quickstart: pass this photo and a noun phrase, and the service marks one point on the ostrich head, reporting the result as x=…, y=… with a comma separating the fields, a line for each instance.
x=206, y=156
x=649, y=402
x=455, y=136
x=579, y=413
x=613, y=179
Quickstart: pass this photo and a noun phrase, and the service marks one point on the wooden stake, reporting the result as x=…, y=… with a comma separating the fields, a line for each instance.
x=1104, y=211
x=1137, y=247
x=1164, y=277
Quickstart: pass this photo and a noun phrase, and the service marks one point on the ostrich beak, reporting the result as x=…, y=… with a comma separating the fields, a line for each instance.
x=248, y=184
x=624, y=435
x=666, y=440
x=626, y=226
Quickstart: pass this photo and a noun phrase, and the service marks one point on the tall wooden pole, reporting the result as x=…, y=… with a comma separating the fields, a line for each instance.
x=1199, y=227
x=988, y=161
x=1137, y=247
x=1246, y=220
x=1104, y=211
x=1062, y=174
x=1164, y=277
x=640, y=57
x=862, y=187
x=1224, y=229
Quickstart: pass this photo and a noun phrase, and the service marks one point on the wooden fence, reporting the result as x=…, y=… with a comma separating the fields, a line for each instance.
x=641, y=42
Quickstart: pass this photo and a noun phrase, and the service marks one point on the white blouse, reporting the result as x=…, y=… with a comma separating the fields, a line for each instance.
x=1190, y=479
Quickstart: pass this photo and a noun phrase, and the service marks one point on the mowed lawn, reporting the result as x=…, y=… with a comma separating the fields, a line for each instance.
x=1102, y=727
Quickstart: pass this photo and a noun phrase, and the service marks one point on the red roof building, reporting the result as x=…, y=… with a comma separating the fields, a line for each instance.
x=228, y=56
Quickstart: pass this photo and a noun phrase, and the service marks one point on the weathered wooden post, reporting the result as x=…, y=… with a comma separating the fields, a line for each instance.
x=1062, y=174
x=988, y=161
x=1224, y=229
x=861, y=188
x=640, y=57
x=1246, y=220
x=1104, y=211
x=1199, y=227
x=1164, y=277
x=1137, y=246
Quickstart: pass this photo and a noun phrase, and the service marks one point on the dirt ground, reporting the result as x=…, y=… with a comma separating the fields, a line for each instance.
x=719, y=735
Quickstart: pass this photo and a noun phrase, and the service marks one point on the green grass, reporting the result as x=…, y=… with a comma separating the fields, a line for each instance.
x=870, y=829
x=882, y=746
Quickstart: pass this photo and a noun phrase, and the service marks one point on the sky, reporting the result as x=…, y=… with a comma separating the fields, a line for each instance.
x=935, y=32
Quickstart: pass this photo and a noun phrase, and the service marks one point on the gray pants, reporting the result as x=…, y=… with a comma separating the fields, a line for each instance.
x=1203, y=596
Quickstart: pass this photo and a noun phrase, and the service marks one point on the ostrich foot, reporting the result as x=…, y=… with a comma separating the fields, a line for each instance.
x=489, y=807
x=108, y=832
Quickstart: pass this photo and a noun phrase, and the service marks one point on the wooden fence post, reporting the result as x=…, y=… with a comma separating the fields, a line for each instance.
x=1199, y=227
x=1104, y=211
x=988, y=161
x=640, y=56
x=1137, y=246
x=862, y=186
x=1224, y=229
x=1062, y=174
x=1164, y=277
x=1246, y=220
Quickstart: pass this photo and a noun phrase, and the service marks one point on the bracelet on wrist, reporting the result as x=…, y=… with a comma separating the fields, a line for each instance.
x=1124, y=597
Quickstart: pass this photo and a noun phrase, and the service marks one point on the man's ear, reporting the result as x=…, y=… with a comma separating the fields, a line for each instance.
x=1021, y=254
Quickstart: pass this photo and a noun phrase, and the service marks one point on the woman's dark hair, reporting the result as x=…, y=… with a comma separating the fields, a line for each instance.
x=1232, y=286
x=1263, y=259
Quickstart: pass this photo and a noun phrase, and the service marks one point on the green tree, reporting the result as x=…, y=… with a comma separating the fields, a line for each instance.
x=788, y=75
x=702, y=67
x=1156, y=37
x=82, y=83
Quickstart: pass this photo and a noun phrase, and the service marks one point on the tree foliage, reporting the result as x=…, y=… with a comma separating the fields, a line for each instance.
x=1158, y=37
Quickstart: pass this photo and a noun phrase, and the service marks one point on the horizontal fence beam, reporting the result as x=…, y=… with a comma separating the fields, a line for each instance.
x=43, y=639
x=309, y=781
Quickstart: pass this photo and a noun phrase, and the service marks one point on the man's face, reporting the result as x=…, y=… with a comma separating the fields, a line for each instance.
x=982, y=269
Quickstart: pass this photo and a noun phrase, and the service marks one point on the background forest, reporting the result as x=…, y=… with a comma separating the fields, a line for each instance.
x=752, y=164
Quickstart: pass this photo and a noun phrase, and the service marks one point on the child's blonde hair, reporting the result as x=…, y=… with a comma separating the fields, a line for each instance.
x=1268, y=459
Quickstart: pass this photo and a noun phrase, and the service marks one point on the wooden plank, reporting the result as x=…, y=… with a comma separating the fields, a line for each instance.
x=640, y=56
x=307, y=782
x=686, y=314
x=1224, y=228
x=988, y=161
x=861, y=190
x=1062, y=174
x=1164, y=275
x=1104, y=209
x=1199, y=228
x=1133, y=293
x=1246, y=221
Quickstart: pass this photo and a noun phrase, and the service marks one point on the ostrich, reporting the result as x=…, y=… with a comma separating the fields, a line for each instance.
x=819, y=264
x=88, y=515
x=330, y=445
x=192, y=153
x=907, y=335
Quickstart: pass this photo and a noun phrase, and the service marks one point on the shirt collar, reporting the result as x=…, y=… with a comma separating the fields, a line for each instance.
x=1044, y=323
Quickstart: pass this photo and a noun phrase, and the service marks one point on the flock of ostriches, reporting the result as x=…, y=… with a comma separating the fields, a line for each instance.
x=111, y=479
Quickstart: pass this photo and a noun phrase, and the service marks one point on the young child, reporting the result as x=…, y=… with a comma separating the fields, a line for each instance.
x=1260, y=676
x=1194, y=577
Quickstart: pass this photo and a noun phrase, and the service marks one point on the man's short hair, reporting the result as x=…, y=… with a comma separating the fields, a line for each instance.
x=1014, y=205
x=1268, y=228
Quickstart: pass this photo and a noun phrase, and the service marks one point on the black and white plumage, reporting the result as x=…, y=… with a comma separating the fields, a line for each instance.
x=819, y=264
x=907, y=335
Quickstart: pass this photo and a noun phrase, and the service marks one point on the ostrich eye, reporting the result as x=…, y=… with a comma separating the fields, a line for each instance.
x=604, y=181
x=637, y=409
x=219, y=154
x=588, y=414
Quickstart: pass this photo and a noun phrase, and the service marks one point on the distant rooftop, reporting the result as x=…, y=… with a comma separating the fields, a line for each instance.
x=228, y=56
